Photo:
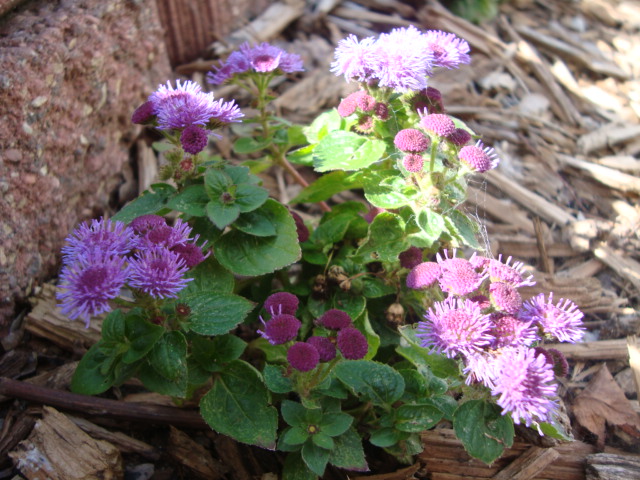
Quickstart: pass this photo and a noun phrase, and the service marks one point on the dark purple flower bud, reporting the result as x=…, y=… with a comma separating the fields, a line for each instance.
x=281, y=302
x=560, y=364
x=280, y=329
x=141, y=225
x=459, y=137
x=334, y=319
x=325, y=347
x=352, y=343
x=381, y=111
x=410, y=258
x=144, y=113
x=303, y=356
x=194, y=139
x=301, y=228
x=434, y=98
x=438, y=124
x=482, y=301
x=411, y=140
x=371, y=214
x=413, y=162
x=424, y=275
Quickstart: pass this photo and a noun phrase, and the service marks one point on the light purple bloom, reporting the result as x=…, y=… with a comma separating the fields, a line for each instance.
x=411, y=140
x=510, y=331
x=356, y=59
x=142, y=224
x=190, y=252
x=455, y=326
x=158, y=272
x=505, y=297
x=88, y=284
x=479, y=368
x=478, y=157
x=104, y=236
x=449, y=51
x=511, y=274
x=523, y=383
x=166, y=236
x=562, y=320
x=438, y=124
x=459, y=277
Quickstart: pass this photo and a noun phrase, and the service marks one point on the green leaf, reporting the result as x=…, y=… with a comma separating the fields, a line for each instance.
x=463, y=229
x=373, y=287
x=294, y=413
x=341, y=150
x=113, y=327
x=249, y=255
x=296, y=469
x=222, y=214
x=328, y=185
x=363, y=324
x=295, y=436
x=431, y=225
x=238, y=405
x=348, y=452
x=215, y=313
x=410, y=349
x=323, y=124
x=169, y=355
x=250, y=145
x=192, y=201
x=417, y=418
x=323, y=441
x=156, y=382
x=385, y=189
x=275, y=379
x=212, y=353
x=483, y=430
x=332, y=230
x=335, y=424
x=375, y=382
x=386, y=239
x=152, y=200
x=555, y=430
x=216, y=182
x=142, y=336
x=249, y=197
x=315, y=457
x=208, y=276
x=386, y=437
x=255, y=223
x=88, y=379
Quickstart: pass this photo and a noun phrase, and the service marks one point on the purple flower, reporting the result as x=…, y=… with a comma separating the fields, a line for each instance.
x=458, y=275
x=411, y=140
x=325, y=347
x=142, y=224
x=166, y=236
x=455, y=326
x=158, y=272
x=301, y=229
x=236, y=63
x=478, y=157
x=359, y=100
x=334, y=319
x=429, y=99
x=365, y=124
x=424, y=275
x=479, y=368
x=438, y=124
x=523, y=385
x=448, y=50
x=505, y=297
x=352, y=343
x=144, y=113
x=104, y=236
x=280, y=329
x=510, y=331
x=562, y=320
x=194, y=139
x=413, y=162
x=356, y=59
x=281, y=302
x=511, y=274
x=381, y=111
x=89, y=283
x=190, y=252
x=410, y=258
x=303, y=356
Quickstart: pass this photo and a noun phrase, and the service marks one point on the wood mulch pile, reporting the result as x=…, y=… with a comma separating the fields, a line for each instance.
x=554, y=87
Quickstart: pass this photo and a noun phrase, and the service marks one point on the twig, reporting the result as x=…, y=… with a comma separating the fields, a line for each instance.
x=134, y=412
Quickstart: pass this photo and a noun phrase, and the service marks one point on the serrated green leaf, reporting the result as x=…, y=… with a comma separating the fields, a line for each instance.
x=238, y=405
x=463, y=229
x=483, y=430
x=417, y=418
x=249, y=255
x=275, y=379
x=249, y=197
x=375, y=382
x=348, y=452
x=322, y=441
x=386, y=437
x=208, y=276
x=192, y=201
x=88, y=379
x=113, y=327
x=315, y=457
x=158, y=383
x=216, y=182
x=373, y=287
x=363, y=324
x=385, y=189
x=295, y=468
x=255, y=223
x=328, y=185
x=431, y=225
x=341, y=150
x=323, y=124
x=335, y=424
x=169, y=355
x=215, y=313
x=213, y=353
x=294, y=413
x=141, y=335
x=222, y=214
x=152, y=200
x=386, y=239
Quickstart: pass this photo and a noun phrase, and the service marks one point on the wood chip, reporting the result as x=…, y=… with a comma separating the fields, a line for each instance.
x=528, y=465
x=609, y=466
x=608, y=136
x=623, y=265
x=605, y=175
x=194, y=456
x=600, y=350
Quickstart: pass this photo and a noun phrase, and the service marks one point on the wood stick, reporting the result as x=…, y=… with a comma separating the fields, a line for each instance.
x=600, y=350
x=154, y=414
x=528, y=465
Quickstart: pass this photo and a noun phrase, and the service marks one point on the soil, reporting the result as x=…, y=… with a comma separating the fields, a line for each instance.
x=554, y=87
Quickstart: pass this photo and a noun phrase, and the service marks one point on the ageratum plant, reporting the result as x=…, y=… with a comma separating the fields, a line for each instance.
x=367, y=325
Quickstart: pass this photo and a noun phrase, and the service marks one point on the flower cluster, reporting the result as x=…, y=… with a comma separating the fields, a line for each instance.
x=103, y=256
x=485, y=322
x=262, y=58
x=188, y=110
x=283, y=327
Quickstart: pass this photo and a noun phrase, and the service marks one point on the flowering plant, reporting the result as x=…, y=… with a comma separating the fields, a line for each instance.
x=367, y=325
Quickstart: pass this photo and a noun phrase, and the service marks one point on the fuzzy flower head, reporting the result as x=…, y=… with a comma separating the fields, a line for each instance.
x=334, y=319
x=424, y=275
x=104, y=236
x=478, y=367
x=280, y=329
x=88, y=284
x=455, y=326
x=325, y=347
x=158, y=272
x=190, y=252
x=144, y=223
x=356, y=59
x=437, y=124
x=194, y=139
x=510, y=331
x=410, y=258
x=411, y=140
x=352, y=343
x=562, y=320
x=505, y=297
x=523, y=383
x=356, y=101
x=413, y=162
x=459, y=137
x=303, y=356
x=166, y=236
x=459, y=277
x=449, y=51
x=502, y=271
x=478, y=157
x=145, y=113
x=281, y=302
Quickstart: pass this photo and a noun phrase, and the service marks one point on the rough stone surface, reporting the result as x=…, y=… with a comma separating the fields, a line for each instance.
x=71, y=73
